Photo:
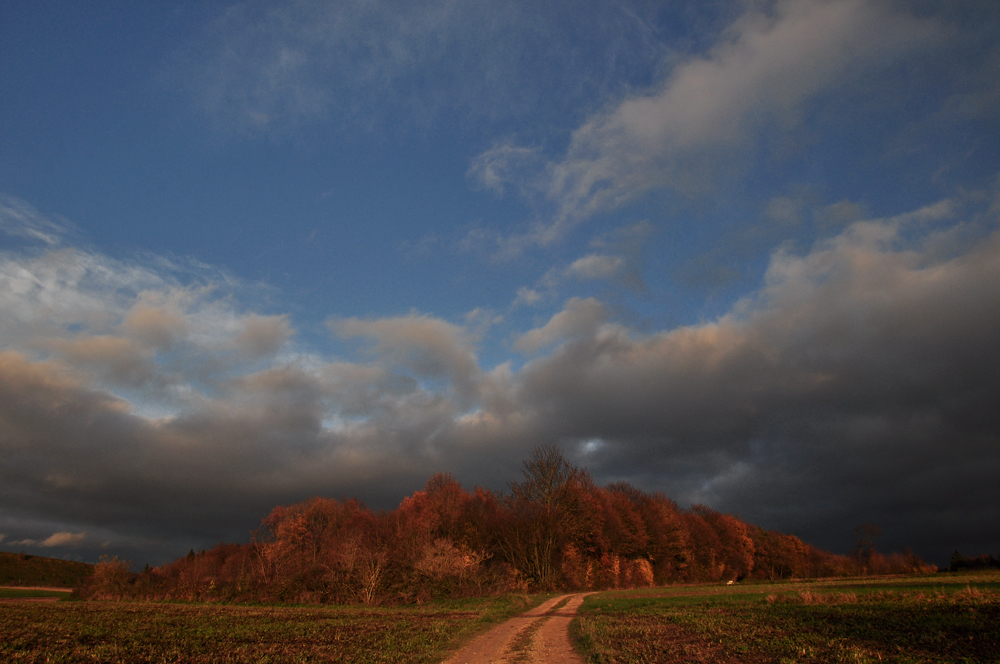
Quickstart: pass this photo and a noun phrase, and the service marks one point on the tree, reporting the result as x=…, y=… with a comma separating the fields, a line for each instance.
x=736, y=548
x=865, y=547
x=543, y=513
x=546, y=473
x=704, y=563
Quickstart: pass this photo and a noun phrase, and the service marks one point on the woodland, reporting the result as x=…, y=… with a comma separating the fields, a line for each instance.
x=553, y=529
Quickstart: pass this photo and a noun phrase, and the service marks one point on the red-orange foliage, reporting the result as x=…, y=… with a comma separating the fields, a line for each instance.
x=555, y=529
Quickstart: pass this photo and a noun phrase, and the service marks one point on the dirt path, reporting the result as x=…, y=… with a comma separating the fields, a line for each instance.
x=536, y=636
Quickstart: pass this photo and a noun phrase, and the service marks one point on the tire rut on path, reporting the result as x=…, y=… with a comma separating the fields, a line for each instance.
x=538, y=635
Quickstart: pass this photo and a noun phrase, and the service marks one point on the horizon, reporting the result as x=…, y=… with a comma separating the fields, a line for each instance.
x=746, y=254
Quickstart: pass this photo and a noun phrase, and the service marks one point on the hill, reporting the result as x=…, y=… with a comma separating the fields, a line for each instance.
x=19, y=569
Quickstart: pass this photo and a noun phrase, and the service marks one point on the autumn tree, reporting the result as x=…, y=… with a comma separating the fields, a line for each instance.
x=736, y=549
x=704, y=564
x=668, y=548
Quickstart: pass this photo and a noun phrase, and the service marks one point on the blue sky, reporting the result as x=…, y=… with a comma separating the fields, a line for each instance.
x=744, y=253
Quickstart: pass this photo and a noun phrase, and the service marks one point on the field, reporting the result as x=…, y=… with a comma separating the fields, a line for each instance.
x=69, y=631
x=939, y=618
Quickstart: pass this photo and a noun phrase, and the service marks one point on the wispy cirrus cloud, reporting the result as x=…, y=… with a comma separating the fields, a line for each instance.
x=19, y=219
x=269, y=66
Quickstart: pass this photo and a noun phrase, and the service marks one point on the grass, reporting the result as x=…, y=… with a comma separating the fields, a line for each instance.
x=941, y=618
x=19, y=569
x=162, y=632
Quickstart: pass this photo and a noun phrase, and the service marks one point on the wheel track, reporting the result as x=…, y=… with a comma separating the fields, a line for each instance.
x=535, y=636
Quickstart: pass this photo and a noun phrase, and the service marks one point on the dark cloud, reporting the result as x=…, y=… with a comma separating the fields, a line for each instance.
x=855, y=385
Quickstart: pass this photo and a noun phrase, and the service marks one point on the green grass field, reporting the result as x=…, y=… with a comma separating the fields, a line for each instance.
x=162, y=632
x=940, y=618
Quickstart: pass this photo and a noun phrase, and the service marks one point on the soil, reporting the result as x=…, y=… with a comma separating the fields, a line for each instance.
x=536, y=636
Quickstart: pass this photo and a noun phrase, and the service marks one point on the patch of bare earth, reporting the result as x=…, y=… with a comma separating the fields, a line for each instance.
x=536, y=636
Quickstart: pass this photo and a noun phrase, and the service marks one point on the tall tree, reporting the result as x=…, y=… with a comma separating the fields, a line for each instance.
x=541, y=515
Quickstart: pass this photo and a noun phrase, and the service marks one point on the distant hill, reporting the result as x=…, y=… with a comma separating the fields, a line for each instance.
x=20, y=569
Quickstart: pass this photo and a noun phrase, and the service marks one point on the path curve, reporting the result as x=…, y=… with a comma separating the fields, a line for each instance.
x=539, y=635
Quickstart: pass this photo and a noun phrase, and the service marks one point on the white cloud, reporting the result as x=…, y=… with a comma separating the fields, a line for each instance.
x=766, y=66
x=63, y=539
x=595, y=266
x=505, y=164
x=527, y=296
x=580, y=317
x=710, y=108
x=19, y=219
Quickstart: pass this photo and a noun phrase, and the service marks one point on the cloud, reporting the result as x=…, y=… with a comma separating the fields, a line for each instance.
x=595, y=266
x=579, y=318
x=158, y=326
x=263, y=335
x=19, y=219
x=856, y=384
x=852, y=367
x=618, y=263
x=429, y=347
x=270, y=66
x=496, y=168
x=712, y=108
x=527, y=296
x=784, y=211
x=765, y=67
x=63, y=539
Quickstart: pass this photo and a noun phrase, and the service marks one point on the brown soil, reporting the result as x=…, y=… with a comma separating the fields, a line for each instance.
x=536, y=636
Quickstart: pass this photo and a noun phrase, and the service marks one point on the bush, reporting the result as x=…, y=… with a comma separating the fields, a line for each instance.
x=112, y=580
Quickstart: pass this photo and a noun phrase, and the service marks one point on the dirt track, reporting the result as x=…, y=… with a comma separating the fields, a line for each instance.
x=539, y=635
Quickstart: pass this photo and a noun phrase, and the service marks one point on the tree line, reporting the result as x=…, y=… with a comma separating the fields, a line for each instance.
x=553, y=529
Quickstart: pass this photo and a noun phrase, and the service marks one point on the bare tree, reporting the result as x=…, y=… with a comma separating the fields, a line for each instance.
x=865, y=547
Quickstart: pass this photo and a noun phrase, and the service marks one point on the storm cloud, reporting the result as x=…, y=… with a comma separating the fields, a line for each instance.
x=142, y=411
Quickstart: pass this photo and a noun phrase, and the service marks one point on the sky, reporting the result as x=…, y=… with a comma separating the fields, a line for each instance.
x=745, y=253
